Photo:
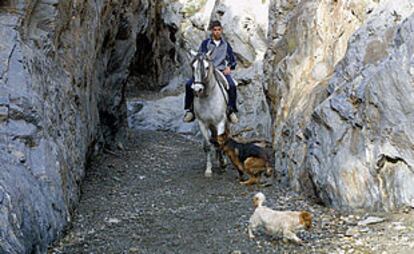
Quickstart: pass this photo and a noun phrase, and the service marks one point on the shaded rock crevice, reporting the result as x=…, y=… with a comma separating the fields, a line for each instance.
x=155, y=61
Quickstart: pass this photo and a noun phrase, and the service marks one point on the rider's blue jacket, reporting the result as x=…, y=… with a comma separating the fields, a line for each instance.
x=222, y=54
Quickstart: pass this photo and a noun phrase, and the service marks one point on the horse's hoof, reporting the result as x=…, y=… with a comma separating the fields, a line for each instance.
x=222, y=170
x=243, y=178
x=208, y=174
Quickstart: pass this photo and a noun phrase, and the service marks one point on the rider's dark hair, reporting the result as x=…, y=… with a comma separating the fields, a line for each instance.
x=215, y=23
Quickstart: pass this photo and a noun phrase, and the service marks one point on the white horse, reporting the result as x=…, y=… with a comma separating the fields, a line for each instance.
x=210, y=105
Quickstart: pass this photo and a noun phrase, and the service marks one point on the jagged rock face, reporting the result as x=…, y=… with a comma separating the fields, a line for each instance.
x=306, y=43
x=361, y=153
x=63, y=68
x=183, y=26
x=330, y=137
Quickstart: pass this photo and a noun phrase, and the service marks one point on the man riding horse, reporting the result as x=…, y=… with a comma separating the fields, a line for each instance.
x=223, y=60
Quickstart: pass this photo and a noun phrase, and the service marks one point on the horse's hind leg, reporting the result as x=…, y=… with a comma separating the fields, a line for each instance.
x=207, y=149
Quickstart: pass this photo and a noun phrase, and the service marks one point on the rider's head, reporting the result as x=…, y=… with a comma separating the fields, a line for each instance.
x=216, y=29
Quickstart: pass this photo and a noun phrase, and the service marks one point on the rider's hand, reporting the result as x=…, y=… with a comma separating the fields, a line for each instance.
x=227, y=71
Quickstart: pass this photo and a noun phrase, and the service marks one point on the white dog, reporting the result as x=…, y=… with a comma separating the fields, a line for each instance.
x=285, y=222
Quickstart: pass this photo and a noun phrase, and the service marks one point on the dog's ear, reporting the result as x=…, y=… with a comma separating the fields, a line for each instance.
x=306, y=220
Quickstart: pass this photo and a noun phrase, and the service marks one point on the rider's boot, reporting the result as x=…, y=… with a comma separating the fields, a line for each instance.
x=231, y=107
x=188, y=116
x=231, y=113
x=189, y=97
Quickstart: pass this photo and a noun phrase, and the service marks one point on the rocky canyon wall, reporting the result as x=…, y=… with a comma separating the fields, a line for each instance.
x=339, y=76
x=63, y=70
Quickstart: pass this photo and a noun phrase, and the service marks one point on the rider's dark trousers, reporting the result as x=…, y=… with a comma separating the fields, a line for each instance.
x=189, y=96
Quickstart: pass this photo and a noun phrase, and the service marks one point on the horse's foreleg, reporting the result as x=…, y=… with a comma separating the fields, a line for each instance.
x=221, y=127
x=207, y=149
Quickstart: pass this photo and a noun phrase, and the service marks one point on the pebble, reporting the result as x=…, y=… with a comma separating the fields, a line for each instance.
x=20, y=156
x=359, y=243
x=349, y=219
x=113, y=220
x=354, y=232
x=398, y=226
x=370, y=220
x=133, y=250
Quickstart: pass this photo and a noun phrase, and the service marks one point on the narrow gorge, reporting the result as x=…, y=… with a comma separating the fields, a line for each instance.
x=329, y=83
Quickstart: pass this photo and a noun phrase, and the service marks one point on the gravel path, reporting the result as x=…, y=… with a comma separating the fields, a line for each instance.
x=152, y=197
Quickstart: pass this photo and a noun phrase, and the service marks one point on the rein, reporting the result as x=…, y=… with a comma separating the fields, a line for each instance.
x=221, y=87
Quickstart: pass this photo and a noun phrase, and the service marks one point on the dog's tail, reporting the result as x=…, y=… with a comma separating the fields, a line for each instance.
x=306, y=219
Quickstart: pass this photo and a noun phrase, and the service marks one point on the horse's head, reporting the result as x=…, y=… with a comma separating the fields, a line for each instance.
x=202, y=67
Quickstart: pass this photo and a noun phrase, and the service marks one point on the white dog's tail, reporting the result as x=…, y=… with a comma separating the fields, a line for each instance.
x=258, y=199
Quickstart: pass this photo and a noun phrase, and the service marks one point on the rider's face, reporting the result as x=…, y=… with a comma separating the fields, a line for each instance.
x=216, y=32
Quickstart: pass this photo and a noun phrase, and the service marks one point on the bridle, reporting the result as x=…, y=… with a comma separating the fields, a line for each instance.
x=199, y=83
x=202, y=82
x=200, y=59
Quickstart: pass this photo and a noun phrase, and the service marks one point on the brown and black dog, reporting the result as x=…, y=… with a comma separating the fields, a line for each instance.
x=246, y=157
